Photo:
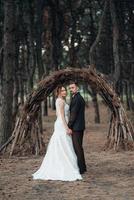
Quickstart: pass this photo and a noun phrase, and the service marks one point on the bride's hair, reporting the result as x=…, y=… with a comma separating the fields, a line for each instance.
x=58, y=90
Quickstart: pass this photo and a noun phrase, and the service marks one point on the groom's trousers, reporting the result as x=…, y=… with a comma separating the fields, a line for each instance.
x=77, y=138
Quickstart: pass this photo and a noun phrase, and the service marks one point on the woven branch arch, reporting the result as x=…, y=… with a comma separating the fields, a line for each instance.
x=120, y=134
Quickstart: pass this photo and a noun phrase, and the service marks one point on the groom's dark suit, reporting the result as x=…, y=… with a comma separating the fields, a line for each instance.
x=77, y=124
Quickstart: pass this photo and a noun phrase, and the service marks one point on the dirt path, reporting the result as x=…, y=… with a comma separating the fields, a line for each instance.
x=110, y=175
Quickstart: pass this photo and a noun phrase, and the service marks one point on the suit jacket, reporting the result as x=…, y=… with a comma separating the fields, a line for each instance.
x=77, y=113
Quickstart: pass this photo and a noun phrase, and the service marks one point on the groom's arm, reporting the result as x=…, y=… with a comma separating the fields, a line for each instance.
x=73, y=113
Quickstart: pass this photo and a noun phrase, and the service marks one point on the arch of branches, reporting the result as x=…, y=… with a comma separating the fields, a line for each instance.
x=120, y=134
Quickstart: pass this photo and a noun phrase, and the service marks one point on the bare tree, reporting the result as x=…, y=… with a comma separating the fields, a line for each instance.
x=8, y=71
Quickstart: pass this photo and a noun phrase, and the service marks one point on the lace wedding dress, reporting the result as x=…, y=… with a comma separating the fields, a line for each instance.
x=60, y=161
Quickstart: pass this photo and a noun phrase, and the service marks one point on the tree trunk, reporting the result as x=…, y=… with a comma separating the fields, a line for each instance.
x=8, y=71
x=92, y=53
x=1, y=75
x=45, y=107
x=22, y=71
x=96, y=107
x=116, y=50
x=127, y=96
x=93, y=94
x=16, y=78
x=53, y=101
x=40, y=66
x=31, y=65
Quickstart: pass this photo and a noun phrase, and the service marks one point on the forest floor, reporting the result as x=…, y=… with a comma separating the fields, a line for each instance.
x=109, y=176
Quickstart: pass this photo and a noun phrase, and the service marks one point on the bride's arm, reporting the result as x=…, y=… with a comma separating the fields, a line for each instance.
x=62, y=114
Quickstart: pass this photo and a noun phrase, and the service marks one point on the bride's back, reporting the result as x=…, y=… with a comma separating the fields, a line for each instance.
x=59, y=103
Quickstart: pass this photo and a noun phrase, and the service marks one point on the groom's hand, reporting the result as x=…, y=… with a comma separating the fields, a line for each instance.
x=69, y=131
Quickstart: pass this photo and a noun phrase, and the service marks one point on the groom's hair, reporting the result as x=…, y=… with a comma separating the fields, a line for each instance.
x=73, y=82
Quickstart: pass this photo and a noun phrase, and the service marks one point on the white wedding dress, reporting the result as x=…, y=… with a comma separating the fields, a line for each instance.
x=60, y=161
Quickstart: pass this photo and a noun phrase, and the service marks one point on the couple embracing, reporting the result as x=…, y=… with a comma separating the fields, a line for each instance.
x=64, y=159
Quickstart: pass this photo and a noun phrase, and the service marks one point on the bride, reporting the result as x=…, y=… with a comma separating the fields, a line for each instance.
x=60, y=161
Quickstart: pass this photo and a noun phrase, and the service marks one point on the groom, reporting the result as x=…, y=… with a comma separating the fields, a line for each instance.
x=77, y=124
